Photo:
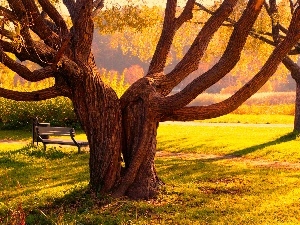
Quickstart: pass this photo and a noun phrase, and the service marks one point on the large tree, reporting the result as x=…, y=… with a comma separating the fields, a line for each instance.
x=126, y=127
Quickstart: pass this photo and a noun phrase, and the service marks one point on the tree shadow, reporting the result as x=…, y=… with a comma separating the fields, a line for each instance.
x=76, y=203
x=242, y=152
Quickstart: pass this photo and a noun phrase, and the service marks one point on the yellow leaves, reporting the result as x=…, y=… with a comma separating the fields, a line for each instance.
x=115, y=81
x=134, y=29
x=117, y=19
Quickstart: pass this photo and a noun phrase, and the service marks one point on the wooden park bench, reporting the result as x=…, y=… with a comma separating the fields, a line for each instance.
x=50, y=135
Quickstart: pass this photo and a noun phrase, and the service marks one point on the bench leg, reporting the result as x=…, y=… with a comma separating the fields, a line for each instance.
x=78, y=149
x=44, y=147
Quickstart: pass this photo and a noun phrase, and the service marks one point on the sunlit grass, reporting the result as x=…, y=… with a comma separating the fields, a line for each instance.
x=15, y=135
x=196, y=192
x=34, y=177
x=253, y=142
x=253, y=119
x=50, y=187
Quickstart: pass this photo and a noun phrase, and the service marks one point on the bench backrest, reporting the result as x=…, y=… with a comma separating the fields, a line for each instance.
x=55, y=131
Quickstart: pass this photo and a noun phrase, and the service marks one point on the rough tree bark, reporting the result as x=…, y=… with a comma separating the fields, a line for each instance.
x=95, y=102
x=127, y=126
x=294, y=68
x=297, y=106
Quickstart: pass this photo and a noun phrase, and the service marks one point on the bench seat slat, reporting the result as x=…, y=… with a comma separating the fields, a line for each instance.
x=61, y=131
x=58, y=141
x=58, y=131
x=63, y=142
x=54, y=133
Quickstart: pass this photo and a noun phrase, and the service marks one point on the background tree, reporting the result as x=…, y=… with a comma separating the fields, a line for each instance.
x=279, y=18
x=126, y=126
x=268, y=33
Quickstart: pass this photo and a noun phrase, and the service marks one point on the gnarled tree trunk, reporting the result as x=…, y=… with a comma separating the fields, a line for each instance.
x=294, y=68
x=297, y=107
x=139, y=147
x=99, y=112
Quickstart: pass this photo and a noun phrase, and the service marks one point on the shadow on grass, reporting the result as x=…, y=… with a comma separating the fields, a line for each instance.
x=285, y=138
x=36, y=151
x=192, y=187
x=7, y=162
x=51, y=153
x=76, y=203
x=84, y=207
x=36, y=170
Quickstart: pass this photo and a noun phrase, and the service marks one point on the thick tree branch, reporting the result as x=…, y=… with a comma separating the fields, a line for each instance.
x=228, y=60
x=163, y=46
x=98, y=5
x=38, y=52
x=18, y=8
x=23, y=71
x=44, y=94
x=232, y=103
x=170, y=26
x=70, y=4
x=38, y=25
x=24, y=35
x=55, y=16
x=9, y=47
x=186, y=14
x=190, y=61
x=292, y=67
x=6, y=13
x=7, y=34
x=83, y=30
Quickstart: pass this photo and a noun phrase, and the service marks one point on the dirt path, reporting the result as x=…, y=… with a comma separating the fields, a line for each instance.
x=253, y=162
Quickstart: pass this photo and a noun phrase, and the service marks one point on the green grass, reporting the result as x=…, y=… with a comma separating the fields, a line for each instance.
x=50, y=187
x=278, y=143
x=255, y=119
x=15, y=135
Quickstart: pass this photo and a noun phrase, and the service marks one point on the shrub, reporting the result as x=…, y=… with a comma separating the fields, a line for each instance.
x=57, y=111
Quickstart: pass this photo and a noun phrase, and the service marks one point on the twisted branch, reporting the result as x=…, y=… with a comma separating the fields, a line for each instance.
x=228, y=60
x=44, y=94
x=232, y=103
x=170, y=26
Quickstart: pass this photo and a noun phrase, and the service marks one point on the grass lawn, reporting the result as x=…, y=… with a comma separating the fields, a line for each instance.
x=278, y=143
x=253, y=119
x=244, y=175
